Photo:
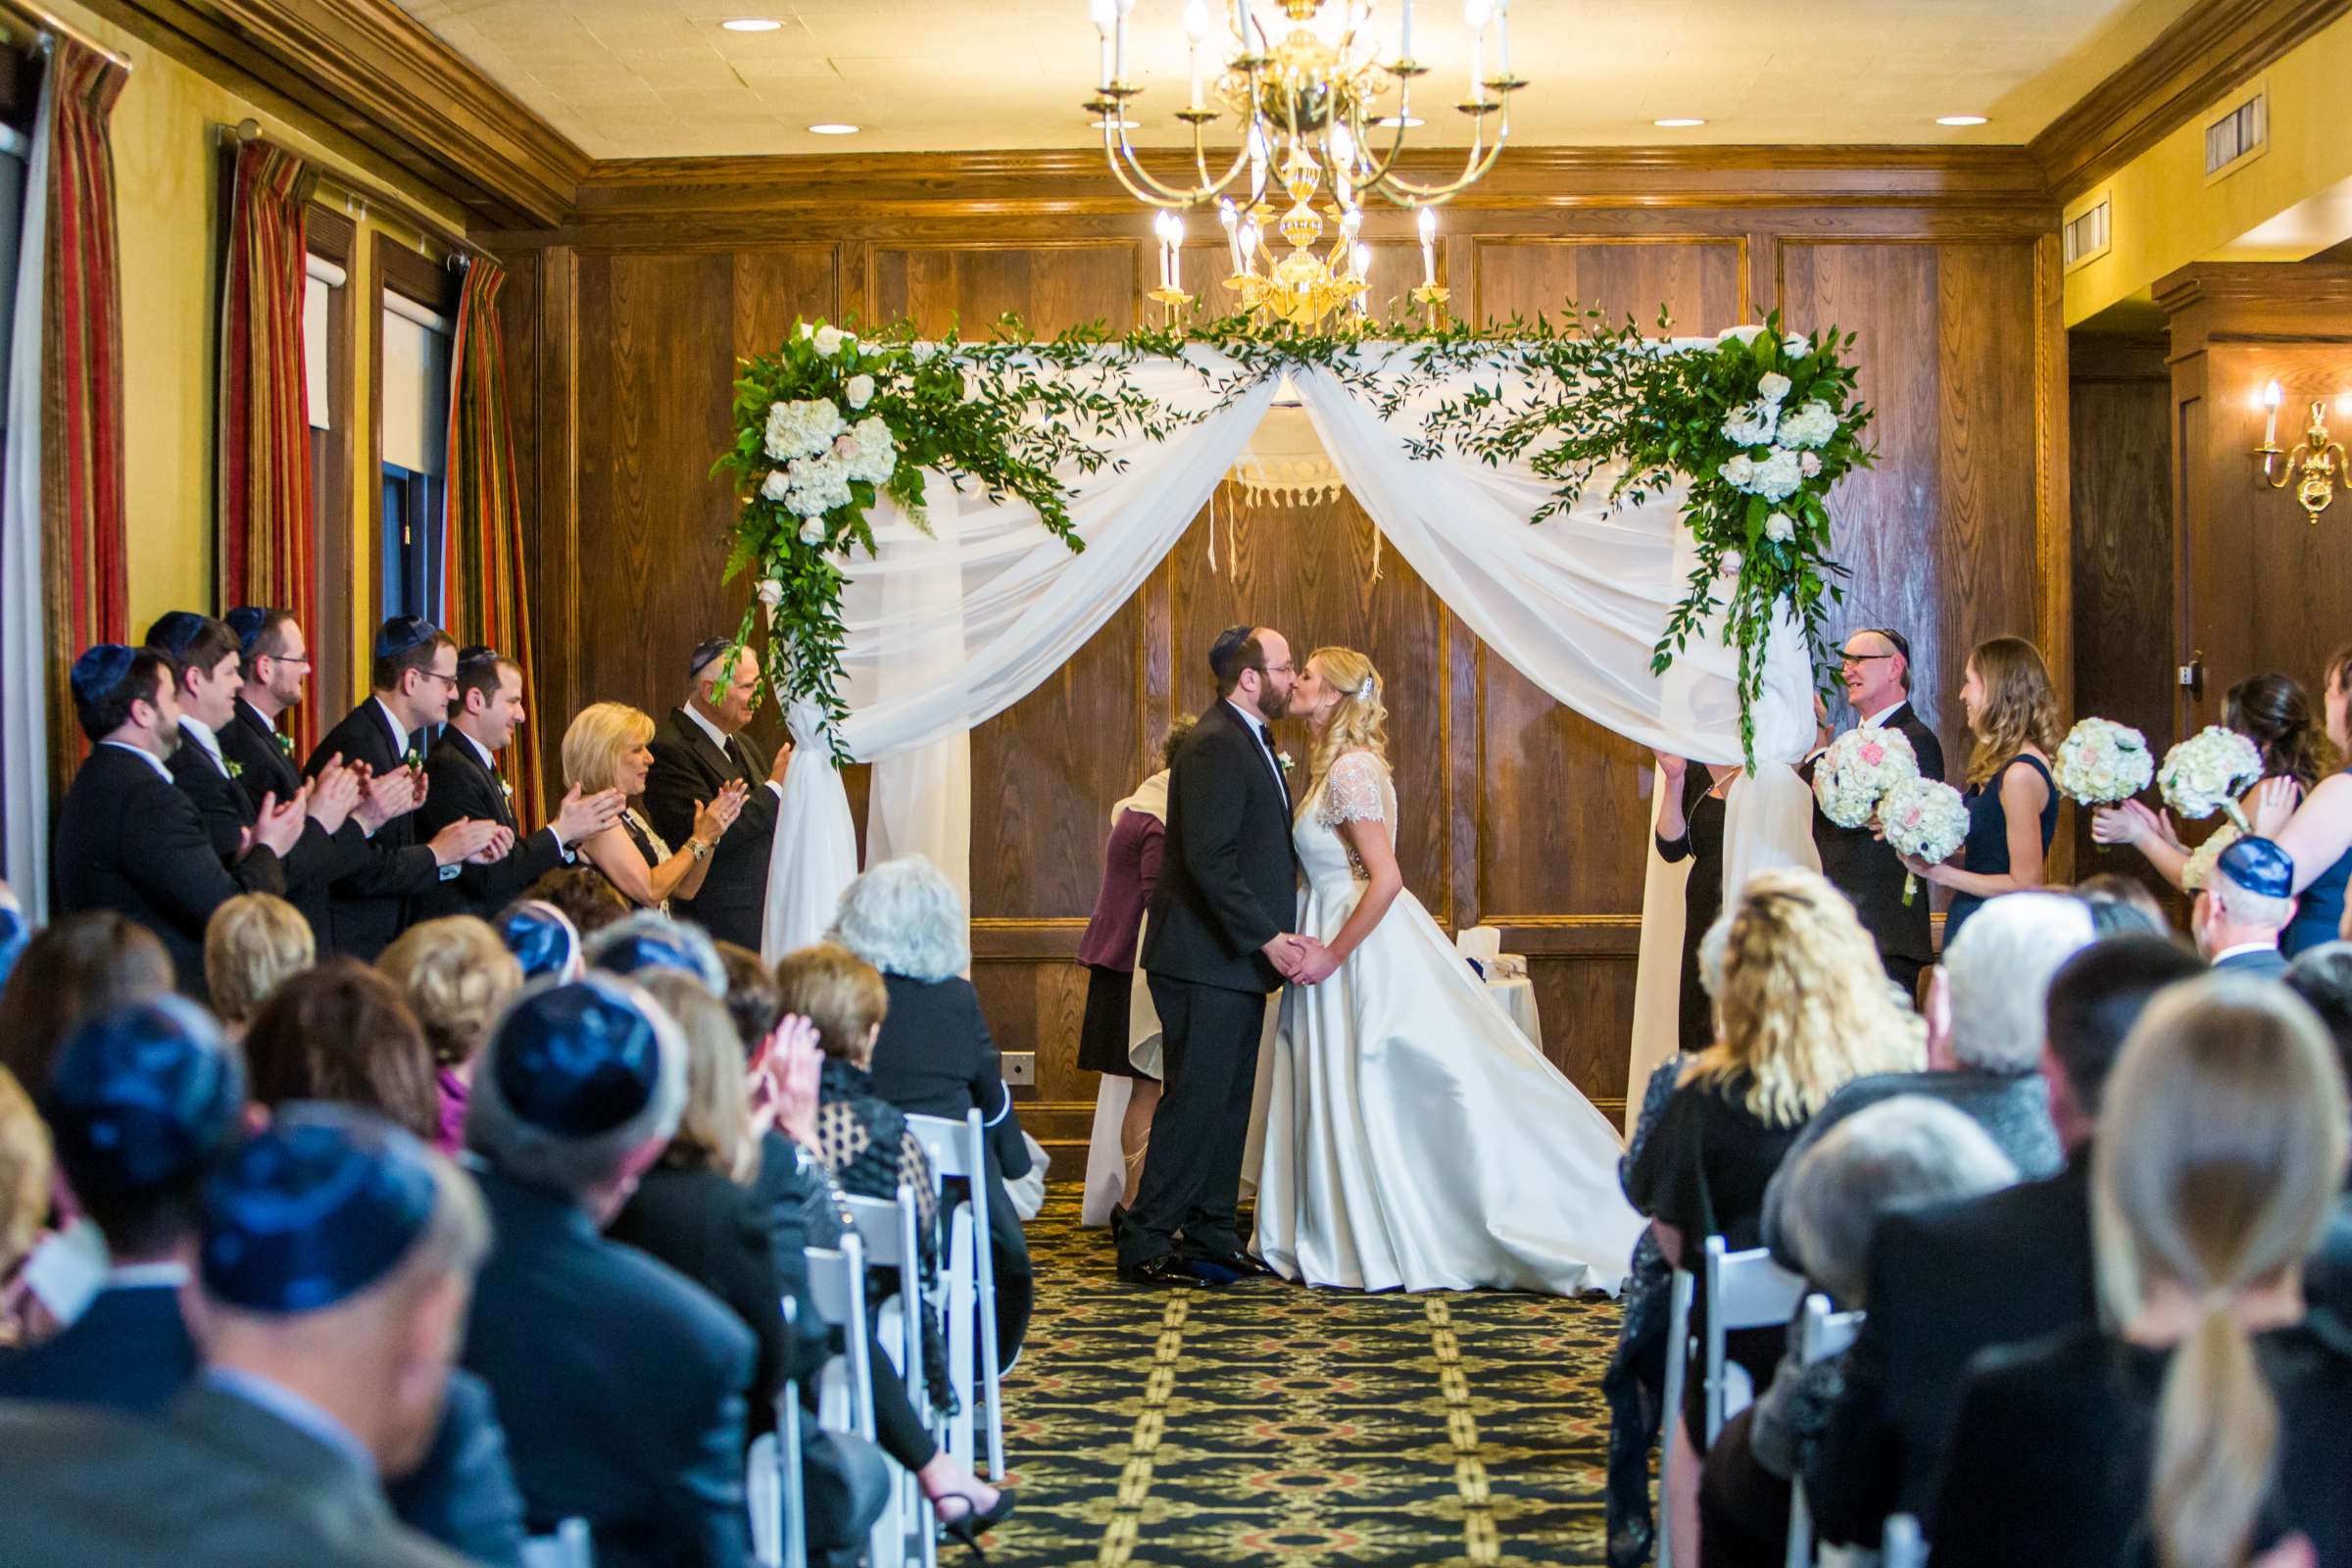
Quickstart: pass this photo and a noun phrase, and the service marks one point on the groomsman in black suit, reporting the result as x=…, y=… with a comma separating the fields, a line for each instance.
x=462, y=781
x=1875, y=665
x=698, y=749
x=127, y=839
x=414, y=675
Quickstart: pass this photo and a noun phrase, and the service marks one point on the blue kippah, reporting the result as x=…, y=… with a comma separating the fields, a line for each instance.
x=15, y=932
x=2260, y=867
x=321, y=1205
x=143, y=1096
x=542, y=937
x=248, y=621
x=100, y=671
x=638, y=950
x=576, y=1059
x=402, y=633
x=174, y=630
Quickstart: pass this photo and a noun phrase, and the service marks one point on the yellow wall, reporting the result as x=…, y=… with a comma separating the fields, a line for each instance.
x=167, y=196
x=2166, y=216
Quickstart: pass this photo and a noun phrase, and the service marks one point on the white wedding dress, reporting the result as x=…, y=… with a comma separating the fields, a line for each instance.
x=1414, y=1137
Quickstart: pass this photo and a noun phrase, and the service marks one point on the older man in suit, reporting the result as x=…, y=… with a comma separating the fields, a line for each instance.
x=334, y=1263
x=2246, y=902
x=127, y=839
x=700, y=747
x=1876, y=667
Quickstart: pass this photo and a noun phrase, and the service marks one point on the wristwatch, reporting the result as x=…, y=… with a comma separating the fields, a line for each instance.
x=698, y=848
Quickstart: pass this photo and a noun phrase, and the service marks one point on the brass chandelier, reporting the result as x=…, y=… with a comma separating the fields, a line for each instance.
x=1312, y=94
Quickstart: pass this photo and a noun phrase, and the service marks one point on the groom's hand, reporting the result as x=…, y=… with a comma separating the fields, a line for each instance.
x=1287, y=951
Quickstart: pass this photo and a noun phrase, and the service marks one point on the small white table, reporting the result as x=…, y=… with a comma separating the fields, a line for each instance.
x=1516, y=997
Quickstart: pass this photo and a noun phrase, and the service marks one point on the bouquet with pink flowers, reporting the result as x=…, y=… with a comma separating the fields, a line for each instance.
x=1925, y=818
x=1857, y=769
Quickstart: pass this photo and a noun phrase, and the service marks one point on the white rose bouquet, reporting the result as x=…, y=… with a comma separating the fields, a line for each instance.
x=1855, y=773
x=2207, y=771
x=2202, y=859
x=2101, y=761
x=1927, y=819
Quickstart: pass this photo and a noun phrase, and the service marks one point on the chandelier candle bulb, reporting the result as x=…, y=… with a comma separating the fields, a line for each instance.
x=1474, y=11
x=1106, y=17
x=1429, y=245
x=2270, y=428
x=1195, y=29
x=1405, y=39
x=1503, y=38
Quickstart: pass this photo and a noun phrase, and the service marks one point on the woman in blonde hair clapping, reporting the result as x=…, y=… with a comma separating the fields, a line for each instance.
x=2210, y=1418
x=1414, y=1136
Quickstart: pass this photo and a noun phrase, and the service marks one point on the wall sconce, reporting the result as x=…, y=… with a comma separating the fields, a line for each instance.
x=2313, y=467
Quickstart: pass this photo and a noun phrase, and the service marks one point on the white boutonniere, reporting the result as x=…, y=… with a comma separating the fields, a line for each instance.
x=1283, y=760
x=415, y=758
x=236, y=769
x=507, y=789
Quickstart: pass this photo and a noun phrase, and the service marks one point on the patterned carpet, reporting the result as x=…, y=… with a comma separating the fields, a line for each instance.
x=1269, y=1424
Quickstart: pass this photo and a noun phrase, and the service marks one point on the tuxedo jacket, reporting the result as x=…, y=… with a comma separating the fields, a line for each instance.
x=127, y=839
x=688, y=767
x=368, y=904
x=231, y=805
x=1228, y=871
x=1866, y=870
x=462, y=787
x=2266, y=964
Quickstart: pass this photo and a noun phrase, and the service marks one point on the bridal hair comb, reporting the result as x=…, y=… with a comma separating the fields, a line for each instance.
x=1367, y=691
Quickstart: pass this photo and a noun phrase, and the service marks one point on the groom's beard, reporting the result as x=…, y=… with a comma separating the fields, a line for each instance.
x=1272, y=703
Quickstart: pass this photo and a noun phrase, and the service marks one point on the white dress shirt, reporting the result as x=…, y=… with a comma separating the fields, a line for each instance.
x=719, y=739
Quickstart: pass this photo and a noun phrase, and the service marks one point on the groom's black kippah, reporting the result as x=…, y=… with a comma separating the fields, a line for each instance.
x=172, y=631
x=706, y=649
x=402, y=633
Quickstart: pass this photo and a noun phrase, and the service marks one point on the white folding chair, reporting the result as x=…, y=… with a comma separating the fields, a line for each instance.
x=837, y=1283
x=1678, y=1356
x=1819, y=1334
x=959, y=1149
x=888, y=1230
x=568, y=1547
x=1904, y=1547
x=774, y=1489
x=1745, y=1291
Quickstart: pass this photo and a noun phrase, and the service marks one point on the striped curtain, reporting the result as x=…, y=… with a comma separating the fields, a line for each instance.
x=268, y=552
x=486, y=582
x=84, y=549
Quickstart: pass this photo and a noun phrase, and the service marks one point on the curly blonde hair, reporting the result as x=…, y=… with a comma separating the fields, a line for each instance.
x=457, y=976
x=1360, y=723
x=2020, y=705
x=1805, y=1007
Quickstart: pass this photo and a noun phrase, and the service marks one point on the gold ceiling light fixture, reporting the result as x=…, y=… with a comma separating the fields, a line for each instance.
x=1310, y=87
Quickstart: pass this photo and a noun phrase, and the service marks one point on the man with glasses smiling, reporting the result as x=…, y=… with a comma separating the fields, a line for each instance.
x=414, y=675
x=1876, y=667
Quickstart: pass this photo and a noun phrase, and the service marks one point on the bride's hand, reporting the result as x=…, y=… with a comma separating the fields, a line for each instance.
x=1318, y=964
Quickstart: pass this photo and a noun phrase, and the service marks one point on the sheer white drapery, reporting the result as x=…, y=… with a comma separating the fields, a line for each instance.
x=25, y=622
x=947, y=631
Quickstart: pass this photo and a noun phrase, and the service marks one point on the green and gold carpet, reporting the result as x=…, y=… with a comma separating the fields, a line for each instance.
x=1270, y=1424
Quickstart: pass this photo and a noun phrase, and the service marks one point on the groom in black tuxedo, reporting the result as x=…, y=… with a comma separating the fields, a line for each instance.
x=1219, y=940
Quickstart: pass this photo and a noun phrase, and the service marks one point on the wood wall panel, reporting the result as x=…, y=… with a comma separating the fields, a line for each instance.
x=1701, y=282
x=969, y=286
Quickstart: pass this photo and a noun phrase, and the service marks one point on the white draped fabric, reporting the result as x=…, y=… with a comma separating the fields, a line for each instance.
x=946, y=631
x=25, y=618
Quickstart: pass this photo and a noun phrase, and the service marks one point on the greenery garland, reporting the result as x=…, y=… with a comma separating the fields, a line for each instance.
x=1757, y=425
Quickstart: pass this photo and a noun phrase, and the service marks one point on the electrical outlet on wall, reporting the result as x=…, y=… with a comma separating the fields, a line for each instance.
x=1020, y=1066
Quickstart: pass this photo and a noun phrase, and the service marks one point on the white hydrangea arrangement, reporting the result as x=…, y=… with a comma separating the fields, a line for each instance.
x=1927, y=819
x=2207, y=771
x=2101, y=762
x=2202, y=860
x=1857, y=769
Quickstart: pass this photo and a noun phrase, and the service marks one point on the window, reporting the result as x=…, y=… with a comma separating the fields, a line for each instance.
x=415, y=461
x=2240, y=132
x=2088, y=234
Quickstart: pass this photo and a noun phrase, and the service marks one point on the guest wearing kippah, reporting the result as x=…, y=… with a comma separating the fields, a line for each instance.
x=414, y=675
x=620, y=1383
x=127, y=839
x=542, y=939
x=334, y=1262
x=700, y=750
x=2246, y=902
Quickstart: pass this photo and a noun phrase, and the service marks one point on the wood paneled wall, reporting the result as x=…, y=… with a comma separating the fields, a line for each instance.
x=625, y=326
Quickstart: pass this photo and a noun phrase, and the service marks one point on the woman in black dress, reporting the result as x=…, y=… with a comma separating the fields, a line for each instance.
x=2012, y=803
x=606, y=745
x=1690, y=828
x=2215, y=1418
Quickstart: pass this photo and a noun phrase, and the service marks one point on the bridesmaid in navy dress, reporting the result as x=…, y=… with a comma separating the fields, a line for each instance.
x=2317, y=830
x=2012, y=803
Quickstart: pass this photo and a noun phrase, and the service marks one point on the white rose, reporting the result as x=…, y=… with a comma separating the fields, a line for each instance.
x=1740, y=471
x=771, y=592
x=1795, y=346
x=1778, y=530
x=806, y=332
x=778, y=483
x=1738, y=334
x=829, y=340
x=1809, y=465
x=860, y=391
x=1773, y=386
x=813, y=532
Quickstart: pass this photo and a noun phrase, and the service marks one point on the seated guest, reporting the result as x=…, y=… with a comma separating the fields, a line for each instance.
x=73, y=970
x=583, y=895
x=1894, y=1154
x=935, y=1055
x=334, y=1264
x=1805, y=1009
x=341, y=1032
x=253, y=944
x=25, y=1176
x=2012, y=805
x=646, y=944
x=697, y=1211
x=603, y=750
x=2209, y=1418
x=1950, y=1280
x=542, y=939
x=456, y=976
x=413, y=676
x=127, y=839
x=1985, y=1032
x=2245, y=903
x=1874, y=668
x=462, y=771
x=701, y=753
x=144, y=1104
x=2122, y=904
x=864, y=1142
x=619, y=1382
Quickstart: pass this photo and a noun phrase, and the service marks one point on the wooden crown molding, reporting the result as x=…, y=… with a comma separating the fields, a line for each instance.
x=371, y=71
x=2215, y=45
x=2224, y=302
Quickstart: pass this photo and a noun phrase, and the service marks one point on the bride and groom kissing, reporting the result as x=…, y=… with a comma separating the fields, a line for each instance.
x=1414, y=1137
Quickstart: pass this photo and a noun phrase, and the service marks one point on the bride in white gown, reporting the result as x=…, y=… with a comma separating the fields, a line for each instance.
x=1414, y=1136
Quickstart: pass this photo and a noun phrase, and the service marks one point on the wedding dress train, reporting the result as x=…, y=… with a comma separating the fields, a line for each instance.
x=1414, y=1136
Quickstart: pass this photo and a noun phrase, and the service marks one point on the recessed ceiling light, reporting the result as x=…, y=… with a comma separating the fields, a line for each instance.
x=1117, y=125
x=1408, y=122
x=1959, y=120
x=1681, y=123
x=752, y=24
x=834, y=128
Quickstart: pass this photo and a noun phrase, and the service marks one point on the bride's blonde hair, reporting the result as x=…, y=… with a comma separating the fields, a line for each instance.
x=1360, y=723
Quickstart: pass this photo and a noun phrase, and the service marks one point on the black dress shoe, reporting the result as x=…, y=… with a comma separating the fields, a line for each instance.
x=1242, y=1265
x=1164, y=1270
